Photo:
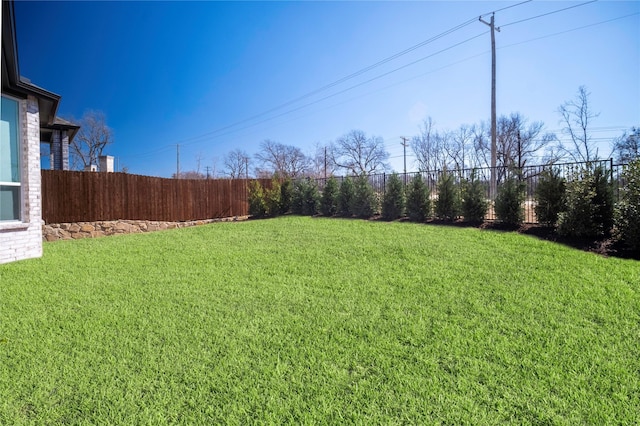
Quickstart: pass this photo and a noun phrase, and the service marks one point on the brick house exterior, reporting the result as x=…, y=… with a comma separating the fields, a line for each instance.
x=26, y=110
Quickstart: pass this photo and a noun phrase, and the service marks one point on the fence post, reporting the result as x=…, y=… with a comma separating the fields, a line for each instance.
x=611, y=169
x=384, y=183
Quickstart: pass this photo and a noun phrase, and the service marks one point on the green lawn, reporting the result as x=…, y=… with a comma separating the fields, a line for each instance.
x=319, y=321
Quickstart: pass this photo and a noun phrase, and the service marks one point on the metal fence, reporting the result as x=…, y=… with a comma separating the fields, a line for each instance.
x=529, y=175
x=83, y=196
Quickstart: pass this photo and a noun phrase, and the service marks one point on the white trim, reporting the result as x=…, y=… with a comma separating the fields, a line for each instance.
x=13, y=225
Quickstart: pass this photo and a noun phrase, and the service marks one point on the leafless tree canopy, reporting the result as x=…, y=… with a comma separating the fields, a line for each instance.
x=190, y=174
x=90, y=141
x=519, y=144
x=577, y=117
x=236, y=164
x=428, y=149
x=359, y=154
x=321, y=165
x=627, y=146
x=284, y=160
x=481, y=141
x=459, y=149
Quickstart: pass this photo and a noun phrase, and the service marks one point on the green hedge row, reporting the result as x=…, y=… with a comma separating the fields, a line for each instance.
x=581, y=205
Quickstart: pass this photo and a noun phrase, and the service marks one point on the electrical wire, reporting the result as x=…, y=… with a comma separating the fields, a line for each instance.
x=220, y=132
x=505, y=8
x=548, y=13
x=347, y=77
x=568, y=31
x=601, y=129
x=210, y=135
x=352, y=87
x=341, y=80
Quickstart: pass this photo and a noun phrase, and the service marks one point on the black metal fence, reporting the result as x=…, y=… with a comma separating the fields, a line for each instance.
x=530, y=175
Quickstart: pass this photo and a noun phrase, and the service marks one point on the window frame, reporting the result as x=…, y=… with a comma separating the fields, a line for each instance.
x=20, y=220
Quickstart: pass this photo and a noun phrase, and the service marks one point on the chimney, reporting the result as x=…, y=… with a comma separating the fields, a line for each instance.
x=106, y=163
x=91, y=168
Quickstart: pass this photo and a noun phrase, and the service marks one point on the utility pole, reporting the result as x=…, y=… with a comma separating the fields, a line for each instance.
x=404, y=146
x=492, y=25
x=207, y=169
x=246, y=167
x=178, y=161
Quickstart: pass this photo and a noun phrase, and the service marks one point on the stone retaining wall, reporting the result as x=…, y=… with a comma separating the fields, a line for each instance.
x=74, y=231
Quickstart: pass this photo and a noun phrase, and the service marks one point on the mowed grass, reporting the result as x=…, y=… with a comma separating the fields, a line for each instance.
x=319, y=321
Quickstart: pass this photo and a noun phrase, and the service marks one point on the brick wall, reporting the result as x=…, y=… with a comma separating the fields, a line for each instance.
x=23, y=240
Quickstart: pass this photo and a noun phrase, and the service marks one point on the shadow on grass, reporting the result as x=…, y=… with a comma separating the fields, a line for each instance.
x=605, y=246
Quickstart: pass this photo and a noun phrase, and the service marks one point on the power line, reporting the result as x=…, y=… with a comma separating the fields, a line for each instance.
x=352, y=75
x=548, y=13
x=568, y=31
x=341, y=80
x=354, y=86
x=505, y=8
x=211, y=134
x=412, y=78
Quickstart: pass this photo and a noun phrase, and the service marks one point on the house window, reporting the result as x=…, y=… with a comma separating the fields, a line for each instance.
x=10, y=188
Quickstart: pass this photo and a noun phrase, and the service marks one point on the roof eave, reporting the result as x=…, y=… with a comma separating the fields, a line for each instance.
x=17, y=84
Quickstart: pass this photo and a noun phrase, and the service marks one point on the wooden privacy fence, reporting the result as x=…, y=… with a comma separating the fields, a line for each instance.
x=87, y=197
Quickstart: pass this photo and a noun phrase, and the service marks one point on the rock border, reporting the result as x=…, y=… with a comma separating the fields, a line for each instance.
x=79, y=230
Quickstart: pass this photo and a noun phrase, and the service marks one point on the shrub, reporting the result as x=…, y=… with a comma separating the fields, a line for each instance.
x=508, y=204
x=364, y=203
x=447, y=203
x=418, y=201
x=589, y=204
x=345, y=197
x=286, y=189
x=272, y=198
x=474, y=203
x=604, y=199
x=550, y=196
x=305, y=198
x=627, y=211
x=329, y=200
x=393, y=202
x=257, y=204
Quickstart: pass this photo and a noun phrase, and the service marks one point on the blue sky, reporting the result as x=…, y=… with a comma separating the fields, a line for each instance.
x=178, y=72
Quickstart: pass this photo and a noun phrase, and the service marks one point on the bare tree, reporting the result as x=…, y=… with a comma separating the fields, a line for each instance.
x=466, y=147
x=199, y=158
x=191, y=174
x=359, y=154
x=458, y=147
x=214, y=167
x=284, y=160
x=481, y=142
x=236, y=164
x=321, y=165
x=428, y=147
x=518, y=144
x=576, y=117
x=90, y=142
x=627, y=146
